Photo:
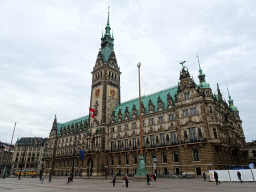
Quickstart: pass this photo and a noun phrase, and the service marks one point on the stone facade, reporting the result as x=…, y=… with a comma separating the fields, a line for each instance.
x=186, y=128
x=6, y=152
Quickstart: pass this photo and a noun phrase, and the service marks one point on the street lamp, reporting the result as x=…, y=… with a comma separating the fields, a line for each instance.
x=106, y=167
x=127, y=168
x=88, y=168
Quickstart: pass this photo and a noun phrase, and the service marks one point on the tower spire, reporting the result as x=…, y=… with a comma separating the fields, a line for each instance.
x=231, y=102
x=201, y=76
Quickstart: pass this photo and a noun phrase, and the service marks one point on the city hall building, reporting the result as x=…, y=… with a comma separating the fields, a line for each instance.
x=186, y=128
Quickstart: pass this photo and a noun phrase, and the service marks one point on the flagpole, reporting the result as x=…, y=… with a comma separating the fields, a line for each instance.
x=141, y=150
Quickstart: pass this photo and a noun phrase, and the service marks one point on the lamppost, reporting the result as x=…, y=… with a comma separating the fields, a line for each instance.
x=22, y=164
x=74, y=153
x=88, y=168
x=106, y=171
x=44, y=144
x=127, y=168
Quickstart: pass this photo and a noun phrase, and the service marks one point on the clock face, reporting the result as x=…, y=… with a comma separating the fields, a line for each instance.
x=97, y=93
x=112, y=93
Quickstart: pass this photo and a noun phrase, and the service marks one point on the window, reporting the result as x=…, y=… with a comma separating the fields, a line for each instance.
x=126, y=159
x=193, y=111
x=143, y=141
x=175, y=157
x=119, y=145
x=135, y=161
x=215, y=133
x=112, y=145
x=210, y=109
x=126, y=127
x=254, y=153
x=112, y=130
x=192, y=134
x=70, y=139
x=119, y=160
x=134, y=125
x=143, y=123
x=199, y=132
x=134, y=141
x=119, y=128
x=126, y=143
x=196, y=156
x=152, y=140
x=161, y=119
x=151, y=121
x=185, y=112
x=66, y=139
x=185, y=134
x=171, y=117
x=162, y=138
x=187, y=95
x=174, y=137
x=164, y=157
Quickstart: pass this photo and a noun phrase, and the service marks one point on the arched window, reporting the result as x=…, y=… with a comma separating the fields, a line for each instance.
x=164, y=157
x=196, y=156
x=199, y=132
x=215, y=133
x=167, y=137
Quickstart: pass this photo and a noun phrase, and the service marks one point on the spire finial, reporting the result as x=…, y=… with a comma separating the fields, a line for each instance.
x=199, y=63
x=108, y=9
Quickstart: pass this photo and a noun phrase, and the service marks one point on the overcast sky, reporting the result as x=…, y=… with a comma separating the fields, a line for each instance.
x=48, y=50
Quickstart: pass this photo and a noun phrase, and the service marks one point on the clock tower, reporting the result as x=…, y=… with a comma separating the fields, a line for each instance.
x=105, y=90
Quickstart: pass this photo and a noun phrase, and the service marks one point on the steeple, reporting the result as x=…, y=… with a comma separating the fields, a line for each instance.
x=203, y=84
x=107, y=42
x=231, y=102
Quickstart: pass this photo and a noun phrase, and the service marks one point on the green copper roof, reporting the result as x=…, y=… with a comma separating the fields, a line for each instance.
x=231, y=102
x=63, y=126
x=145, y=101
x=201, y=77
x=107, y=43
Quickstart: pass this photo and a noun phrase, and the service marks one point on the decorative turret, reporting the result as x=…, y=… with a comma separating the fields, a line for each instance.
x=107, y=43
x=219, y=95
x=203, y=84
x=231, y=102
x=54, y=127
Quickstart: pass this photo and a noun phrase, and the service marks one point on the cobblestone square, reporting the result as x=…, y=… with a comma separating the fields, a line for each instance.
x=161, y=185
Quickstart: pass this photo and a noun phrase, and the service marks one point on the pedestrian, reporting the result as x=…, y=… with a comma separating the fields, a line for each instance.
x=126, y=181
x=50, y=178
x=114, y=181
x=154, y=176
x=42, y=180
x=148, y=179
x=123, y=178
x=216, y=177
x=69, y=179
x=239, y=176
x=204, y=176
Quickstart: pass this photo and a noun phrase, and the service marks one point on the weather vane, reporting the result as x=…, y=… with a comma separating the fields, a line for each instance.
x=108, y=9
x=182, y=63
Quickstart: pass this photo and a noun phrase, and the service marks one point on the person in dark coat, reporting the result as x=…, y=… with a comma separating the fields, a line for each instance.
x=114, y=181
x=50, y=178
x=126, y=181
x=204, y=176
x=216, y=177
x=148, y=179
x=239, y=176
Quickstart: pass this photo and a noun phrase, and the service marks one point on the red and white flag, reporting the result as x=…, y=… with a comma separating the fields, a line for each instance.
x=91, y=112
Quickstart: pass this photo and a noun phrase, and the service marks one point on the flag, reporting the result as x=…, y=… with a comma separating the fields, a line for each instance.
x=91, y=112
x=81, y=154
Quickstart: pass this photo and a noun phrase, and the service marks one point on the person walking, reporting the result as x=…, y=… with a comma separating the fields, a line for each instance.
x=154, y=176
x=204, y=176
x=69, y=179
x=239, y=176
x=148, y=179
x=114, y=181
x=216, y=177
x=50, y=178
x=42, y=180
x=124, y=178
x=126, y=181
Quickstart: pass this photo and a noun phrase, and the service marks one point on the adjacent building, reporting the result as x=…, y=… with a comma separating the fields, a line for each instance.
x=6, y=152
x=251, y=147
x=28, y=155
x=186, y=128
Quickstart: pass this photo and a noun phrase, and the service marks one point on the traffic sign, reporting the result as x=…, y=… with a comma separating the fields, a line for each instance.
x=251, y=165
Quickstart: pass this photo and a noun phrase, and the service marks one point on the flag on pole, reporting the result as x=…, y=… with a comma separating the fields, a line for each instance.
x=81, y=154
x=91, y=112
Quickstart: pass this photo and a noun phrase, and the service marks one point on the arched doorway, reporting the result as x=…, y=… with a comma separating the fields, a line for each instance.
x=89, y=167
